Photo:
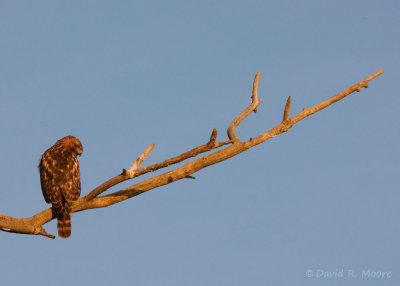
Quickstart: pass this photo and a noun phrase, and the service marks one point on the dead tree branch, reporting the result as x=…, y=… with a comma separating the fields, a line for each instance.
x=34, y=224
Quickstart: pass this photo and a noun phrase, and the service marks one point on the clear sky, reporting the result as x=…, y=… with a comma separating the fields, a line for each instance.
x=121, y=75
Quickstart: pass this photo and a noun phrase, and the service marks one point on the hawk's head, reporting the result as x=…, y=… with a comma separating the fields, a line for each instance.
x=72, y=143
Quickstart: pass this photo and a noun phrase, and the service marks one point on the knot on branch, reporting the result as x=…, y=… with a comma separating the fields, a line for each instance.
x=361, y=85
x=128, y=174
x=286, y=125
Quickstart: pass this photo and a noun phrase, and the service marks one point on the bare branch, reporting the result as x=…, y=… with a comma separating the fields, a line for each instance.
x=251, y=108
x=33, y=225
x=286, y=125
x=357, y=87
x=212, y=144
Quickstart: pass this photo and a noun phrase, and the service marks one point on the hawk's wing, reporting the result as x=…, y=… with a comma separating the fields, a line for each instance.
x=59, y=176
x=70, y=182
x=51, y=192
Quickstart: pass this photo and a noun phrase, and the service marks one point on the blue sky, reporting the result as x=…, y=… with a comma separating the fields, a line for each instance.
x=121, y=75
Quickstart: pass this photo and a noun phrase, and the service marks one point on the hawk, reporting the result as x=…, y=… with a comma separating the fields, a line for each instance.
x=60, y=180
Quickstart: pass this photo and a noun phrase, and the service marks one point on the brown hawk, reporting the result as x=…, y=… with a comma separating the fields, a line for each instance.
x=60, y=180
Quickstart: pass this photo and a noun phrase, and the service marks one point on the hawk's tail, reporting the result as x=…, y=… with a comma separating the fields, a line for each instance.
x=63, y=213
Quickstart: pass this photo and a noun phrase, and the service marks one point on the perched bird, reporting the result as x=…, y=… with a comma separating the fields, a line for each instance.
x=61, y=180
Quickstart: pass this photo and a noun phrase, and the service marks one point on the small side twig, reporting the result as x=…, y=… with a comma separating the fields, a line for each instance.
x=287, y=110
x=131, y=172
